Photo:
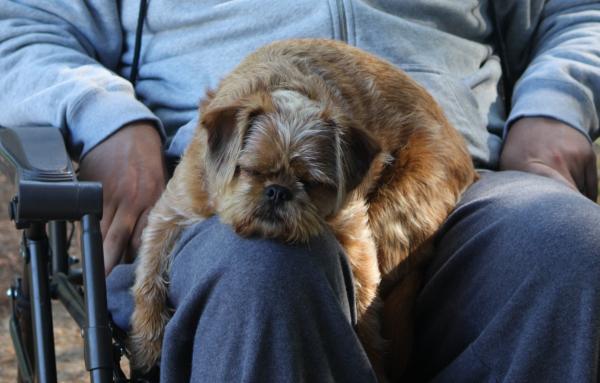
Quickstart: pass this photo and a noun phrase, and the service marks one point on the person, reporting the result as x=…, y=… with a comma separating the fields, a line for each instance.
x=512, y=293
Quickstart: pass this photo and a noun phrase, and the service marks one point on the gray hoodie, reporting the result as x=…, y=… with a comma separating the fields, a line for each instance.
x=64, y=63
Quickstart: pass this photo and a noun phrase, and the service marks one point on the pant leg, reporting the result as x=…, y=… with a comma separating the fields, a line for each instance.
x=513, y=294
x=254, y=310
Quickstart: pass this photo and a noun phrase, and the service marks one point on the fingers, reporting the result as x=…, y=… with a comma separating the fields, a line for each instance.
x=591, y=178
x=578, y=175
x=583, y=169
x=136, y=238
x=551, y=148
x=543, y=169
x=130, y=166
x=123, y=238
x=108, y=213
x=117, y=237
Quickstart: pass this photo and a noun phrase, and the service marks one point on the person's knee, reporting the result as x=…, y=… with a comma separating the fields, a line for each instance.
x=254, y=265
x=540, y=219
x=519, y=252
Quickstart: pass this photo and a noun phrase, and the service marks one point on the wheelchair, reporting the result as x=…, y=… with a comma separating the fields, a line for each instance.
x=47, y=196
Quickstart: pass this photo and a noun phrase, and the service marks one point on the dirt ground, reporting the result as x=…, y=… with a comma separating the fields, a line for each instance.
x=69, y=344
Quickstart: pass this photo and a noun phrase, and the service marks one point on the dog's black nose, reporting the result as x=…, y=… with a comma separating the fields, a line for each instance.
x=278, y=194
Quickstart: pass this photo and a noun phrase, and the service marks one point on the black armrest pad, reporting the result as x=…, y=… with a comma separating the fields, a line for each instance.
x=34, y=154
x=46, y=188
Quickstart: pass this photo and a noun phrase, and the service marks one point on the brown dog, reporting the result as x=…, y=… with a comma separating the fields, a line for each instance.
x=305, y=134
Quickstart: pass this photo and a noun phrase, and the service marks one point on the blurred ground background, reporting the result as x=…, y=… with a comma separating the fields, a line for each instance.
x=69, y=344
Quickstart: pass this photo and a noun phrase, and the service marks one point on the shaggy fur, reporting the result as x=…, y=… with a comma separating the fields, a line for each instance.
x=302, y=135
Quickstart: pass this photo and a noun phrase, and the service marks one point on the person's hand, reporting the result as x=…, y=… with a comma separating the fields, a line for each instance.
x=551, y=148
x=131, y=167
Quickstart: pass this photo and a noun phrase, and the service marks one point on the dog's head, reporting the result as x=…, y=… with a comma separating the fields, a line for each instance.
x=278, y=164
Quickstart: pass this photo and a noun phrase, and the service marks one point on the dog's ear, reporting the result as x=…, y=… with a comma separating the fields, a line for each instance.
x=226, y=126
x=358, y=150
x=220, y=124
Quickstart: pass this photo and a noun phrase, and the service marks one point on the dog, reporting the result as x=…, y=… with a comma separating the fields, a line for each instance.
x=306, y=135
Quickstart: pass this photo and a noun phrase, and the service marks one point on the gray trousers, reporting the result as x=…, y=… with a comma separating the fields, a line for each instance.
x=512, y=295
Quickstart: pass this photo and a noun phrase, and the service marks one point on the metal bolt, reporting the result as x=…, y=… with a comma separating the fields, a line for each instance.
x=12, y=292
x=12, y=208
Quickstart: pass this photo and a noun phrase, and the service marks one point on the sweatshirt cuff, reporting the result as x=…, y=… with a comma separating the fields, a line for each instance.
x=554, y=99
x=100, y=114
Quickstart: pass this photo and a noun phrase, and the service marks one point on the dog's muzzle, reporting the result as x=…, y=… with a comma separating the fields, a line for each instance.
x=278, y=194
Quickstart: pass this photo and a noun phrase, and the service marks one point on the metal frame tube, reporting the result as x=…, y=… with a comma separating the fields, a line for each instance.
x=23, y=362
x=57, y=233
x=41, y=307
x=25, y=371
x=70, y=298
x=97, y=334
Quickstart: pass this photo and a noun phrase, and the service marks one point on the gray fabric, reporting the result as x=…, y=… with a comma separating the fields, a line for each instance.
x=513, y=295
x=516, y=267
x=252, y=310
x=514, y=292
x=61, y=61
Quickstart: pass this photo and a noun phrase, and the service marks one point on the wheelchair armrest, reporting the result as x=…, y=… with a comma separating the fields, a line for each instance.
x=46, y=188
x=35, y=154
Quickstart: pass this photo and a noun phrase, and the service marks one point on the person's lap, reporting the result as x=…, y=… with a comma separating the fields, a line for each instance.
x=513, y=293
x=513, y=281
x=254, y=310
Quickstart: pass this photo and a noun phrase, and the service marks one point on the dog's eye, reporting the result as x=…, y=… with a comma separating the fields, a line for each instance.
x=250, y=172
x=310, y=185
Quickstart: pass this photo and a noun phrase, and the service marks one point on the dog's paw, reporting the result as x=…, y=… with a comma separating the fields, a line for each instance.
x=145, y=341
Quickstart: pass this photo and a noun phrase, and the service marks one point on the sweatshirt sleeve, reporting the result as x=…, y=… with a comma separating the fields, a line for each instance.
x=57, y=68
x=562, y=78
